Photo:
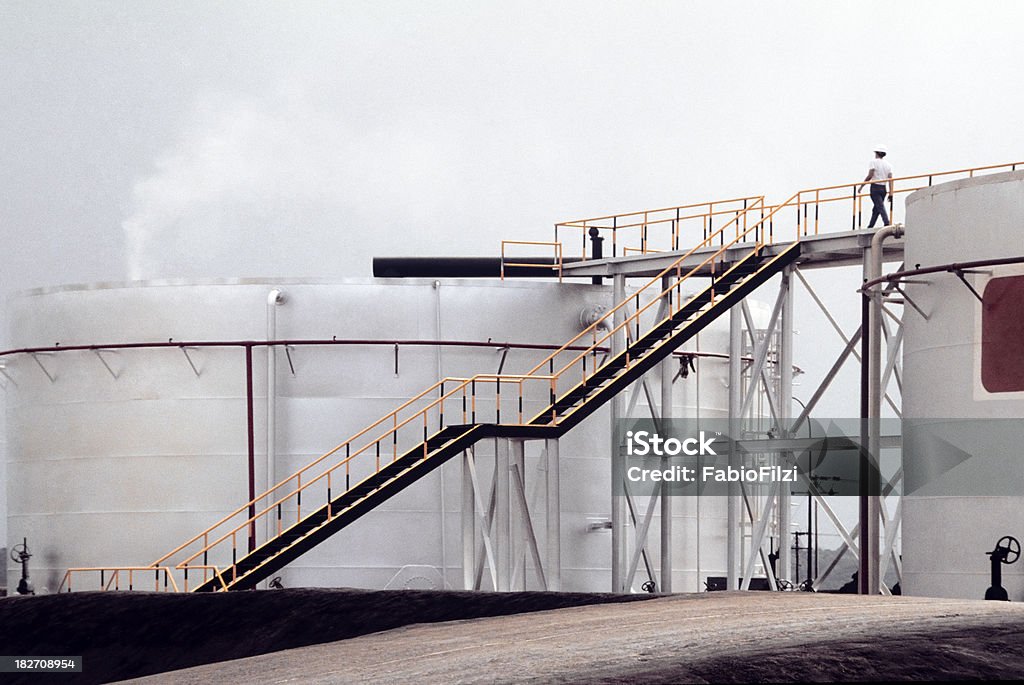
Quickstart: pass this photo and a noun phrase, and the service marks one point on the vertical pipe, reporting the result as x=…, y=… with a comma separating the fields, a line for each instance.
x=554, y=522
x=666, y=499
x=597, y=250
x=735, y=405
x=871, y=394
x=440, y=375
x=468, y=526
x=618, y=501
x=870, y=509
x=785, y=396
x=274, y=298
x=252, y=445
x=864, y=508
x=501, y=513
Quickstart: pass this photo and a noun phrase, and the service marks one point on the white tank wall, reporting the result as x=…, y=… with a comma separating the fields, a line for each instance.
x=119, y=471
x=946, y=533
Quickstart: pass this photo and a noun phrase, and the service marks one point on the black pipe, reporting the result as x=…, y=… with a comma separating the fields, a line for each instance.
x=465, y=267
x=596, y=249
x=864, y=494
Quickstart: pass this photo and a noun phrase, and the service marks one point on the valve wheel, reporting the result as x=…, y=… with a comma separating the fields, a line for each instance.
x=16, y=553
x=1012, y=547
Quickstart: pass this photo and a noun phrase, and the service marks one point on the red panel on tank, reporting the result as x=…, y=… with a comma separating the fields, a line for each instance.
x=1002, y=335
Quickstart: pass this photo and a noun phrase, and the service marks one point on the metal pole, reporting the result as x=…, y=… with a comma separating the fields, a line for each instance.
x=871, y=410
x=274, y=298
x=502, y=537
x=666, y=499
x=785, y=413
x=554, y=523
x=468, y=525
x=252, y=446
x=864, y=510
x=735, y=404
x=619, y=515
x=596, y=250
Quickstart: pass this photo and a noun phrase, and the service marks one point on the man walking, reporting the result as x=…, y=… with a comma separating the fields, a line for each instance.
x=879, y=172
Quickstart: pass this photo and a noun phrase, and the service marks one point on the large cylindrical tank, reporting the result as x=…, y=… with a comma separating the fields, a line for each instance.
x=119, y=456
x=963, y=393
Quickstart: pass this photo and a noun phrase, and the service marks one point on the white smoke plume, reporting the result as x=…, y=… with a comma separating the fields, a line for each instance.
x=276, y=187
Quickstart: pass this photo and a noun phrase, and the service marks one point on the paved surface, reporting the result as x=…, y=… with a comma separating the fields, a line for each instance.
x=710, y=637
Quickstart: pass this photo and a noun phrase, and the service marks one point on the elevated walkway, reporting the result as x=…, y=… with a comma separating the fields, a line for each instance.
x=816, y=251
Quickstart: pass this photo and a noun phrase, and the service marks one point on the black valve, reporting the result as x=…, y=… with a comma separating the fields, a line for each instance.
x=20, y=554
x=1007, y=551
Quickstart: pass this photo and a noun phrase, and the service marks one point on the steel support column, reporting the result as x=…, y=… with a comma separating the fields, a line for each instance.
x=619, y=515
x=553, y=519
x=666, y=499
x=733, y=538
x=785, y=396
x=468, y=526
x=502, y=532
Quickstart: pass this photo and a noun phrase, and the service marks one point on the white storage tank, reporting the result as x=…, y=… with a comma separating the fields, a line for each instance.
x=117, y=456
x=963, y=394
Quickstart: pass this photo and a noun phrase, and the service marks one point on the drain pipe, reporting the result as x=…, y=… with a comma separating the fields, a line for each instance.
x=444, y=514
x=871, y=411
x=275, y=298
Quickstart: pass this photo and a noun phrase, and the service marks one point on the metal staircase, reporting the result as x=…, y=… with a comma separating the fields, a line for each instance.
x=734, y=252
x=565, y=412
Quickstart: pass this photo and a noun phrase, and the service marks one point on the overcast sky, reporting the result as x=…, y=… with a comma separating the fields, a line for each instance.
x=180, y=139
x=165, y=139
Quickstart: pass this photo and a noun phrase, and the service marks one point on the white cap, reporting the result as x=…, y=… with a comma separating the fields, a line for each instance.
x=881, y=148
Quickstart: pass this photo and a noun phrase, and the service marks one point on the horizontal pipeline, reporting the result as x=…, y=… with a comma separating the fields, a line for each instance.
x=465, y=267
x=301, y=342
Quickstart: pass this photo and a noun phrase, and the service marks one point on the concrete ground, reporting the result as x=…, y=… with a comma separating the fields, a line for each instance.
x=712, y=637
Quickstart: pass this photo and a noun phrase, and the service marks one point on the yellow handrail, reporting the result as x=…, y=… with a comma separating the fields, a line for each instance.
x=115, y=575
x=555, y=266
x=645, y=219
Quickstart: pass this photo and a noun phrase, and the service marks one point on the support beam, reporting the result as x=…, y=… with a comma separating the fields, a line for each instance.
x=769, y=391
x=666, y=499
x=529, y=538
x=761, y=353
x=468, y=525
x=641, y=537
x=618, y=502
x=553, y=520
x=519, y=519
x=735, y=400
x=502, y=524
x=785, y=396
x=487, y=520
x=758, y=537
